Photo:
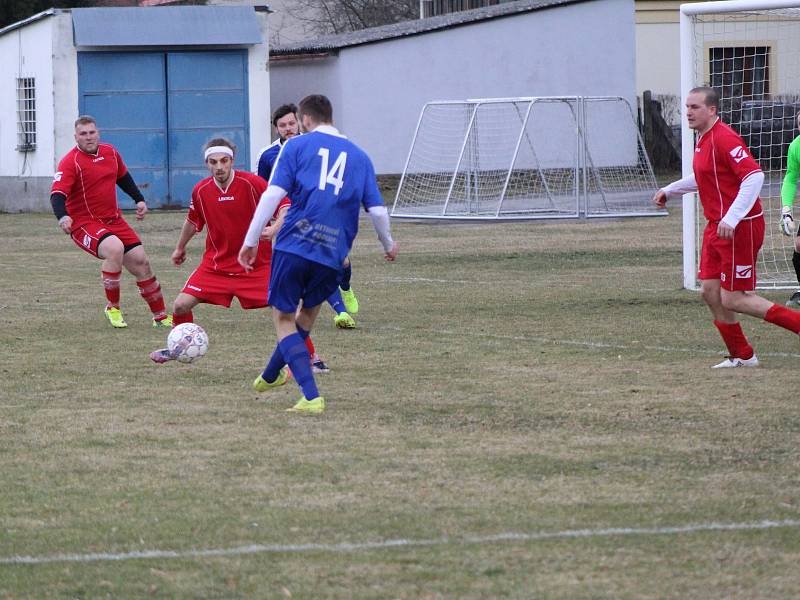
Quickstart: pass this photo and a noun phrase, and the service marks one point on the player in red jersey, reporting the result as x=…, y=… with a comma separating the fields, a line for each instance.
x=728, y=181
x=84, y=200
x=224, y=204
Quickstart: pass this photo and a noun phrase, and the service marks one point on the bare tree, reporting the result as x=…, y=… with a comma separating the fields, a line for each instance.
x=323, y=17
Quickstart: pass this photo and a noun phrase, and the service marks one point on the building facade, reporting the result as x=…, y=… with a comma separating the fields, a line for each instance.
x=379, y=79
x=160, y=82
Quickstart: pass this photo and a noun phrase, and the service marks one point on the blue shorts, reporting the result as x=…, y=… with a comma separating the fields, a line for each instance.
x=294, y=278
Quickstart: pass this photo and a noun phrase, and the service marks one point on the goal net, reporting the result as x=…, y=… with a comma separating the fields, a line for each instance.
x=749, y=51
x=526, y=158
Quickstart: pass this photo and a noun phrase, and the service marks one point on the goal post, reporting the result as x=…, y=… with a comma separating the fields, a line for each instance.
x=749, y=51
x=541, y=157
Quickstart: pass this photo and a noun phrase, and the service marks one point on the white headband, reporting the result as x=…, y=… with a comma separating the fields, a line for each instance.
x=218, y=150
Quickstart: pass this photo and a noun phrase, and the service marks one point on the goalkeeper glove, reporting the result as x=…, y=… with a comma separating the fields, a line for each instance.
x=787, y=224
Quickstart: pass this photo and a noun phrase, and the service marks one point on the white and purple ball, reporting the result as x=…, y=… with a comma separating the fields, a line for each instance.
x=187, y=342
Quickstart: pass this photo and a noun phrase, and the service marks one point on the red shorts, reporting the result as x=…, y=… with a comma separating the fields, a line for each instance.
x=733, y=262
x=87, y=235
x=213, y=287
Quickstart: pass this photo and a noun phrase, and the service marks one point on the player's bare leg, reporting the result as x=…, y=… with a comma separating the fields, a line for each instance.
x=182, y=308
x=136, y=262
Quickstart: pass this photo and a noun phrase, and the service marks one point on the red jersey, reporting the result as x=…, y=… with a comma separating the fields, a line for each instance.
x=721, y=162
x=227, y=214
x=89, y=181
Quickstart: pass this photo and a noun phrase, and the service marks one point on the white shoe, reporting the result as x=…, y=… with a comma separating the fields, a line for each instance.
x=732, y=361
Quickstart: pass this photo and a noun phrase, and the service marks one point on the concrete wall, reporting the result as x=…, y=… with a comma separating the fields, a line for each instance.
x=258, y=92
x=658, y=63
x=65, y=88
x=378, y=89
x=26, y=53
x=43, y=50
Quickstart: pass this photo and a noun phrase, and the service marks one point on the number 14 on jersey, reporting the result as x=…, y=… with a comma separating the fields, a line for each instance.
x=334, y=176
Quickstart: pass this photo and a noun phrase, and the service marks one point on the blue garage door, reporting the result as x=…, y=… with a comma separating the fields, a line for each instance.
x=159, y=108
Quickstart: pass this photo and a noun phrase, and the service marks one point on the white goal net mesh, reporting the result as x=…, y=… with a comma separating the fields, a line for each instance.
x=752, y=58
x=526, y=158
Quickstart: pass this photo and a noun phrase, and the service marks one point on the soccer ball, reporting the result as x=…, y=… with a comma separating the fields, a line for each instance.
x=187, y=342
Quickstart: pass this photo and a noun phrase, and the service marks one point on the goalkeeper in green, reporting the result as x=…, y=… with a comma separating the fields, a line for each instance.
x=788, y=192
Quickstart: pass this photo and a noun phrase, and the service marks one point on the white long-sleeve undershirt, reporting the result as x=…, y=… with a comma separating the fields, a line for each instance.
x=745, y=199
x=380, y=221
x=741, y=205
x=266, y=208
x=683, y=186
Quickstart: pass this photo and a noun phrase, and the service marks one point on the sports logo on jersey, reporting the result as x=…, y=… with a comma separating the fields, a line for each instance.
x=87, y=240
x=738, y=154
x=225, y=198
x=57, y=176
x=98, y=159
x=304, y=226
x=744, y=271
x=194, y=287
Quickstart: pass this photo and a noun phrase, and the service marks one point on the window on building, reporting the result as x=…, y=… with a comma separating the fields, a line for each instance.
x=26, y=114
x=740, y=71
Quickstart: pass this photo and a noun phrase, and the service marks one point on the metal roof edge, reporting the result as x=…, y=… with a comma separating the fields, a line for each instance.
x=32, y=19
x=414, y=27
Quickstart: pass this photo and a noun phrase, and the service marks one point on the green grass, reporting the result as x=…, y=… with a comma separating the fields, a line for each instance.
x=523, y=378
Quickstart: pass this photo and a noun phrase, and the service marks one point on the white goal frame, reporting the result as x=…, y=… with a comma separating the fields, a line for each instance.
x=537, y=157
x=689, y=80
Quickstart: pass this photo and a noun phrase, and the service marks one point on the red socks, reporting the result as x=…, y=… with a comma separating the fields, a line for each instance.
x=111, y=285
x=184, y=318
x=151, y=292
x=310, y=345
x=735, y=340
x=784, y=317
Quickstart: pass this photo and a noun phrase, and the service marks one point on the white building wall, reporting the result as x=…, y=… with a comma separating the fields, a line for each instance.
x=658, y=64
x=26, y=52
x=582, y=49
x=65, y=88
x=258, y=89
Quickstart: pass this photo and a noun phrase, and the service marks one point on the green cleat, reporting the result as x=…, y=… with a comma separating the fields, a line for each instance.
x=350, y=300
x=114, y=316
x=261, y=385
x=165, y=323
x=309, y=407
x=344, y=321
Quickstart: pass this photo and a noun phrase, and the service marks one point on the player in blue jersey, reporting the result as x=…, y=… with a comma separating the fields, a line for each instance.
x=284, y=120
x=328, y=179
x=343, y=300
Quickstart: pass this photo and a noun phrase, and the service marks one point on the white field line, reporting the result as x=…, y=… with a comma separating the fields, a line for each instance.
x=589, y=344
x=398, y=543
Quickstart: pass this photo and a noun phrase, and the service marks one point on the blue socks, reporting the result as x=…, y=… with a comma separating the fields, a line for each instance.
x=274, y=365
x=347, y=273
x=294, y=351
x=336, y=302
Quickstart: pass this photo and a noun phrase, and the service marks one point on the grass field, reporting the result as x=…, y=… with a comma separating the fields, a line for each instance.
x=525, y=411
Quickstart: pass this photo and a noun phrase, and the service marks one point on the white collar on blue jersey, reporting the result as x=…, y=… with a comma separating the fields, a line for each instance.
x=330, y=130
